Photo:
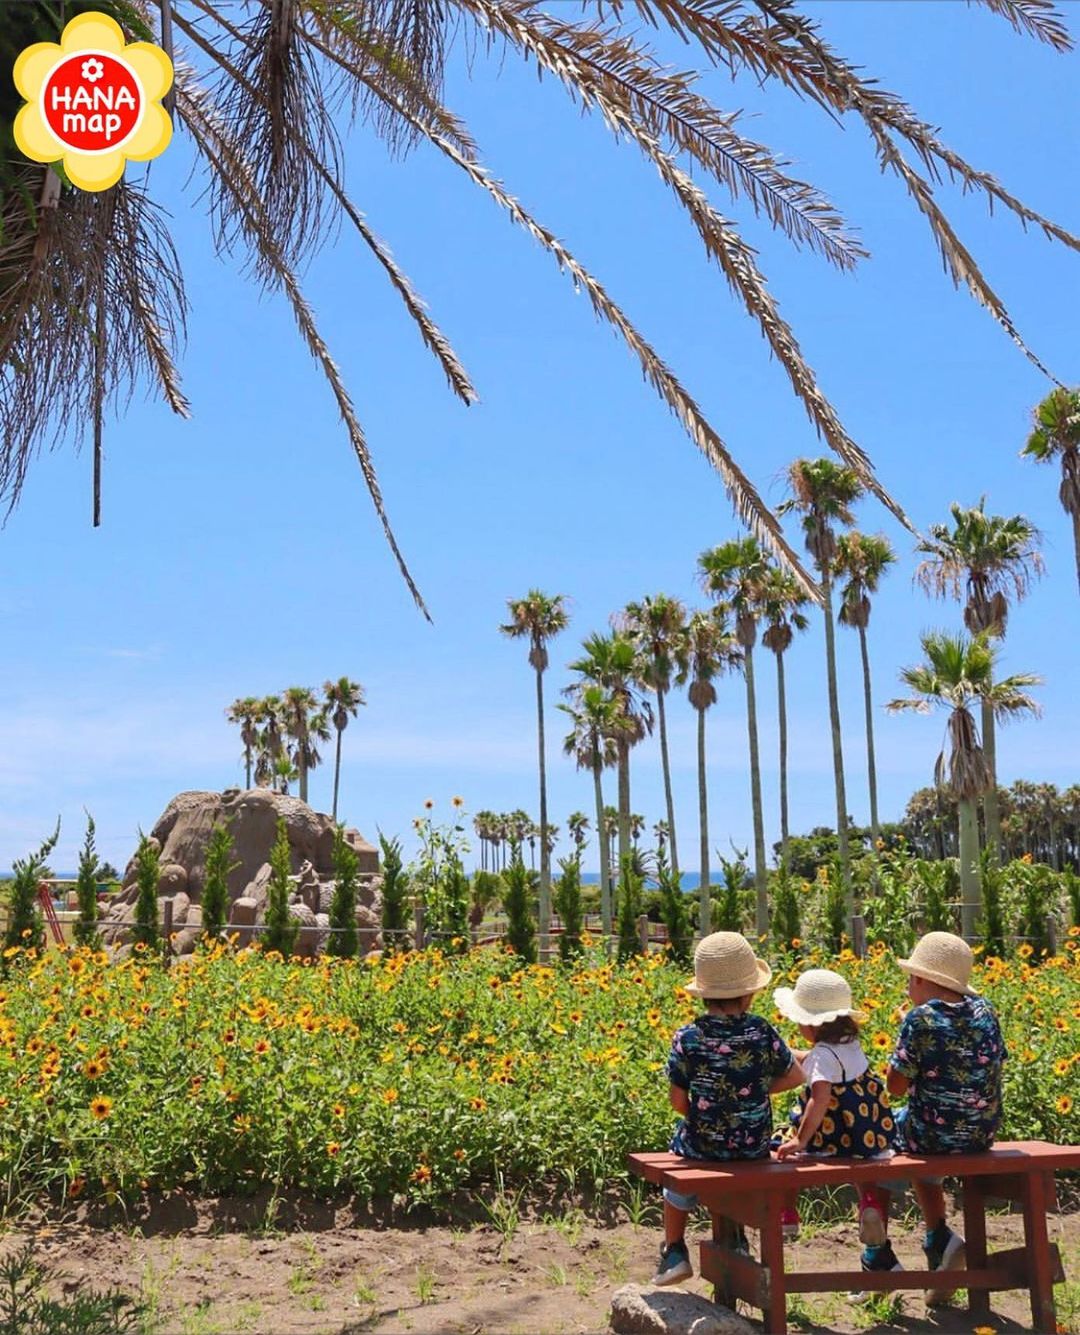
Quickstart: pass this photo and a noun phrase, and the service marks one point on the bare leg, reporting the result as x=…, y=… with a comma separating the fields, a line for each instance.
x=931, y=1198
x=674, y=1223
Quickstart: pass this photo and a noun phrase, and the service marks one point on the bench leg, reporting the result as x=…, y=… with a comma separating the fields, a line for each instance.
x=1040, y=1270
x=723, y=1232
x=772, y=1257
x=975, y=1237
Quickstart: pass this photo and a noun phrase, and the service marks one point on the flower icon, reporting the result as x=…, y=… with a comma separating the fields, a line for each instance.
x=92, y=70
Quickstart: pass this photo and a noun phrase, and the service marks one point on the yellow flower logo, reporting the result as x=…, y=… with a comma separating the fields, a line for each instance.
x=93, y=101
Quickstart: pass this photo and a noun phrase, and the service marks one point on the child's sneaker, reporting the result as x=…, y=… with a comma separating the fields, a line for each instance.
x=875, y=1259
x=871, y=1223
x=789, y=1224
x=674, y=1264
x=945, y=1250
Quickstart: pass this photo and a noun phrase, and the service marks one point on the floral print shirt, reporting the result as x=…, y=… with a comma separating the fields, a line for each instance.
x=726, y=1063
x=952, y=1052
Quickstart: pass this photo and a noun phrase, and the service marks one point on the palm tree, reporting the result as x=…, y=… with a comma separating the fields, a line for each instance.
x=250, y=95
x=284, y=772
x=592, y=744
x=1057, y=434
x=304, y=723
x=957, y=672
x=705, y=651
x=862, y=559
x=738, y=573
x=343, y=699
x=578, y=825
x=981, y=558
x=269, y=746
x=539, y=617
x=823, y=494
x=784, y=600
x=245, y=712
x=611, y=661
x=656, y=625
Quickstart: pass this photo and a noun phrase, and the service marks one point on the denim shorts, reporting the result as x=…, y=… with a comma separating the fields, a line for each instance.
x=679, y=1201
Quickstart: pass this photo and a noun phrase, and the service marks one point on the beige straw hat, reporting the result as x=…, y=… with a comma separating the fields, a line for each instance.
x=819, y=995
x=725, y=966
x=942, y=958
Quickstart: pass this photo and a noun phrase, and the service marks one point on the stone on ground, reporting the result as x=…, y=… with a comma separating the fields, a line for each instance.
x=639, y=1311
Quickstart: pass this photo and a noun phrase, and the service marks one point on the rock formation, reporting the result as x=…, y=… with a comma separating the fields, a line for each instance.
x=182, y=835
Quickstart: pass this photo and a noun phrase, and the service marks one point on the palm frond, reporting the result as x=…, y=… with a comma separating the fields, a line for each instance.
x=1037, y=18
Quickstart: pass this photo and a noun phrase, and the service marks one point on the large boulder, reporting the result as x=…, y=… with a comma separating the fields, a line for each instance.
x=638, y=1311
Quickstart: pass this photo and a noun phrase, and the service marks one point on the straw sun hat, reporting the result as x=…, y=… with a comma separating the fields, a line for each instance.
x=819, y=995
x=725, y=967
x=944, y=959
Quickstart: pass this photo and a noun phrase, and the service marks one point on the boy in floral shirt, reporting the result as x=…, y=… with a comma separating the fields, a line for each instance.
x=948, y=1061
x=722, y=1069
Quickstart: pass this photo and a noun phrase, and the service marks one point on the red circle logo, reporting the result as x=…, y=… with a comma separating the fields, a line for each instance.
x=92, y=102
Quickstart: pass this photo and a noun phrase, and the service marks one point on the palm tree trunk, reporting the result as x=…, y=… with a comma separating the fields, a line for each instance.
x=970, y=891
x=991, y=814
x=781, y=697
x=1076, y=542
x=247, y=766
x=303, y=777
x=762, y=891
x=337, y=775
x=667, y=782
x=601, y=834
x=545, y=854
x=871, y=764
x=704, y=899
x=624, y=802
x=837, y=744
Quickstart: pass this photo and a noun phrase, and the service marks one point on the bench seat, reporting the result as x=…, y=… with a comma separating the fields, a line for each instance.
x=752, y=1193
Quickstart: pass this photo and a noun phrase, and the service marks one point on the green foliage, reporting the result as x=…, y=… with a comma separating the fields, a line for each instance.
x=786, y=920
x=1038, y=887
x=344, y=938
x=991, y=924
x=148, y=871
x=281, y=926
x=215, y=896
x=887, y=889
x=453, y=921
x=86, y=930
x=566, y=897
x=1071, y=883
x=730, y=913
x=520, y=926
x=676, y=910
x=629, y=906
x=395, y=888
x=940, y=885
x=487, y=891
x=25, y=1308
x=835, y=906
x=439, y=878
x=25, y=925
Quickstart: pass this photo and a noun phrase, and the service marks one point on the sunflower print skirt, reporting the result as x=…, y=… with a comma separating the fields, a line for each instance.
x=857, y=1124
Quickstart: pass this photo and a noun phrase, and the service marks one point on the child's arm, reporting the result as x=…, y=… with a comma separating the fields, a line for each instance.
x=680, y=1099
x=792, y=1077
x=813, y=1116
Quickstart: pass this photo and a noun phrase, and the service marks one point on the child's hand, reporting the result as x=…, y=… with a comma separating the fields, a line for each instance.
x=788, y=1150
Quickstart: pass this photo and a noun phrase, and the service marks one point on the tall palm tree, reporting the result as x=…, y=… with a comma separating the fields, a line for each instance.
x=823, y=494
x=611, y=661
x=784, y=600
x=705, y=651
x=591, y=742
x=245, y=712
x=737, y=573
x=862, y=559
x=578, y=825
x=342, y=700
x=269, y=745
x=250, y=96
x=304, y=723
x=982, y=558
x=539, y=617
x=656, y=625
x=957, y=672
x=1057, y=435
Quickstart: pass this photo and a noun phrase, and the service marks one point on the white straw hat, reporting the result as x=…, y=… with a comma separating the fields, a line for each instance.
x=725, y=966
x=819, y=995
x=942, y=958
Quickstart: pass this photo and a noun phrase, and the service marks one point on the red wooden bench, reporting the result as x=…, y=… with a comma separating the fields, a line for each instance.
x=752, y=1193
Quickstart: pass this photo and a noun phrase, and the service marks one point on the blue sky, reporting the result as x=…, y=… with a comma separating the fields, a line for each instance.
x=239, y=553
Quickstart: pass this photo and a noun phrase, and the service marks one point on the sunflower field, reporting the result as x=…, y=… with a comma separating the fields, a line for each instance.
x=412, y=1076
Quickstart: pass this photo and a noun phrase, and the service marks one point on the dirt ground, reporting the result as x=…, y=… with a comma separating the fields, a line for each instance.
x=229, y=1268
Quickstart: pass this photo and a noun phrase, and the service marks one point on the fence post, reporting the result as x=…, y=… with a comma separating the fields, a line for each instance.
x=643, y=932
x=166, y=930
x=858, y=935
x=418, y=917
